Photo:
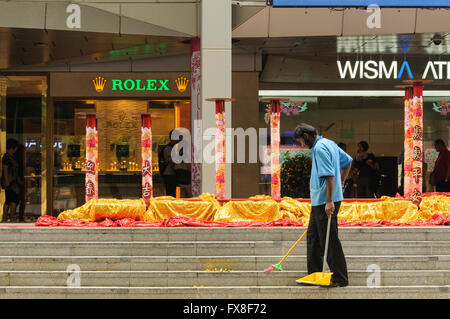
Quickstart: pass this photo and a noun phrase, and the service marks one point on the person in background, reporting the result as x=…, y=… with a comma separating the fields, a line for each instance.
x=182, y=173
x=366, y=167
x=343, y=146
x=10, y=180
x=330, y=166
x=441, y=173
x=348, y=189
x=167, y=166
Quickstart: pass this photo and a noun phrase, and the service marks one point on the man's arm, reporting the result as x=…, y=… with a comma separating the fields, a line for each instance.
x=329, y=206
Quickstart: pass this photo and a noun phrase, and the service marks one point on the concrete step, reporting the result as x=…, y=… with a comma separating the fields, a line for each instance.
x=27, y=234
x=161, y=263
x=235, y=248
x=212, y=279
x=252, y=292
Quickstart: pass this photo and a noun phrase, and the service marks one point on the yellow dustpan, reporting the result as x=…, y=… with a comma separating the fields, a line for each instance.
x=319, y=278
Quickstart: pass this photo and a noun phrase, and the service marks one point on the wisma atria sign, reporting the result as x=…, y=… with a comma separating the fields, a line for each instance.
x=434, y=70
x=361, y=3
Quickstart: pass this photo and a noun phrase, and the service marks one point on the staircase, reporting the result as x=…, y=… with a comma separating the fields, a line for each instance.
x=209, y=263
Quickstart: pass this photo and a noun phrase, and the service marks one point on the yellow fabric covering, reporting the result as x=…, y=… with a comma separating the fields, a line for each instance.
x=390, y=209
x=99, y=209
x=165, y=207
x=79, y=213
x=257, y=208
x=435, y=204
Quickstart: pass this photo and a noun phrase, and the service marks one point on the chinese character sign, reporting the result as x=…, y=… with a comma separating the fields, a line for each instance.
x=146, y=148
x=275, y=178
x=220, y=149
x=91, y=157
x=416, y=129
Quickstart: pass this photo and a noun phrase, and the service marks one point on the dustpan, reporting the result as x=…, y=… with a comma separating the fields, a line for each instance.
x=319, y=278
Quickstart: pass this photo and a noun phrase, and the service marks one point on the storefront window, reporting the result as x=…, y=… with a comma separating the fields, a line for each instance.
x=436, y=116
x=119, y=146
x=23, y=123
x=348, y=119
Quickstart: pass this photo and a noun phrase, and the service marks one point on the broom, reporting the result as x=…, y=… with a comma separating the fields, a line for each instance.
x=278, y=266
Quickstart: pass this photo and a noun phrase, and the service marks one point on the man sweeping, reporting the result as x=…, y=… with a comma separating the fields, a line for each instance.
x=330, y=167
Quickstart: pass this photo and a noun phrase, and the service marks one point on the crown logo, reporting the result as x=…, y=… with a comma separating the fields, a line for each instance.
x=182, y=83
x=99, y=83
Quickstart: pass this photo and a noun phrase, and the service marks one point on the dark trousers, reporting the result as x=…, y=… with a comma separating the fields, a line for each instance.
x=316, y=236
x=171, y=185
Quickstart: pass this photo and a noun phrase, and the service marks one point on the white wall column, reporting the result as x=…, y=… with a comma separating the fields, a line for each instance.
x=216, y=74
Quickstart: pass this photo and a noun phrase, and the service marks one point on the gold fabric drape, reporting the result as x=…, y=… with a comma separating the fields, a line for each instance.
x=257, y=208
x=161, y=208
x=100, y=209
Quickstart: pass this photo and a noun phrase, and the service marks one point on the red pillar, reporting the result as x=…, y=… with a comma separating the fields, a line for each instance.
x=146, y=150
x=91, y=158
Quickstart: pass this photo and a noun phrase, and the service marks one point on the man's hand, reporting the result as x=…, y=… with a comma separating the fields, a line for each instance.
x=329, y=208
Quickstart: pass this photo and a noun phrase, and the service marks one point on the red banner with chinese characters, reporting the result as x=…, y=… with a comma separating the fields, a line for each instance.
x=220, y=149
x=91, y=190
x=275, y=178
x=416, y=130
x=146, y=149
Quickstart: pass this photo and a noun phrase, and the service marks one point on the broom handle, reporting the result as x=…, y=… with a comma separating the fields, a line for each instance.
x=326, y=243
x=293, y=246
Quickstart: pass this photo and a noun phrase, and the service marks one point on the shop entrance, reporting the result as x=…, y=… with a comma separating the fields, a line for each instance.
x=23, y=112
x=119, y=146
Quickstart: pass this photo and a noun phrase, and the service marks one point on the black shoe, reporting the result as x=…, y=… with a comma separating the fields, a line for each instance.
x=334, y=284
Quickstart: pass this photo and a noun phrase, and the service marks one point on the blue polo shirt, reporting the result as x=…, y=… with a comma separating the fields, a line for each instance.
x=327, y=160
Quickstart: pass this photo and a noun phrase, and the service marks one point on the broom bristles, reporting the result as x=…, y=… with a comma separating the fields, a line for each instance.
x=274, y=267
x=270, y=269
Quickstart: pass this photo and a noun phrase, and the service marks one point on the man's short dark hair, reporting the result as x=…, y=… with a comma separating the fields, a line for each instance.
x=342, y=145
x=364, y=145
x=304, y=128
x=439, y=141
x=11, y=143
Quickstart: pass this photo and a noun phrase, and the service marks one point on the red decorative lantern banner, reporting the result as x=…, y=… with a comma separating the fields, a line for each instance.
x=220, y=145
x=220, y=149
x=146, y=150
x=275, y=177
x=416, y=130
x=91, y=158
